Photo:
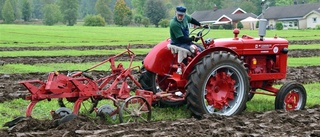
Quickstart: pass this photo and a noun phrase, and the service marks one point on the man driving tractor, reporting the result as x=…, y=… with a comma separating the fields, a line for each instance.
x=179, y=30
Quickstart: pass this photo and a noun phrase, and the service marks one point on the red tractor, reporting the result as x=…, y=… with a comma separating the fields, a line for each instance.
x=223, y=77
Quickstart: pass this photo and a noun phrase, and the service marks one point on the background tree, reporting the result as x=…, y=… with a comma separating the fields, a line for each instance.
x=69, y=11
x=137, y=19
x=87, y=7
x=198, y=5
x=279, y=26
x=102, y=8
x=284, y=2
x=16, y=8
x=164, y=23
x=122, y=13
x=138, y=6
x=155, y=11
x=1, y=7
x=94, y=20
x=249, y=6
x=26, y=10
x=8, y=12
x=145, y=22
x=36, y=6
x=239, y=25
x=52, y=14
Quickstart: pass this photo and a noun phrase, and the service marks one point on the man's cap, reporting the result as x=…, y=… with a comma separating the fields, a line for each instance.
x=181, y=10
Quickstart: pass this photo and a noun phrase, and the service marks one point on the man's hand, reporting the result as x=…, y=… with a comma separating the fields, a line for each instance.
x=205, y=26
x=196, y=38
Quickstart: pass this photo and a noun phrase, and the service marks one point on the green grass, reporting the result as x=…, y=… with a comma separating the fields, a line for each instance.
x=259, y=103
x=303, y=61
x=68, y=52
x=43, y=36
x=311, y=46
x=49, y=67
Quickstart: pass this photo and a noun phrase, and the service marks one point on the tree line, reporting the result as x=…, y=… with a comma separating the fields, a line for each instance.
x=119, y=12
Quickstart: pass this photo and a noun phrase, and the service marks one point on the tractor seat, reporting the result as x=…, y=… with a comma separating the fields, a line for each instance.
x=182, y=52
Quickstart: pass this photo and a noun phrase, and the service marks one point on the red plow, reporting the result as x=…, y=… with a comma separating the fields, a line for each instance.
x=80, y=86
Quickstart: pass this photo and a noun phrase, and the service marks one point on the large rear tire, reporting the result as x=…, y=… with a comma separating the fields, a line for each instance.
x=218, y=84
x=149, y=81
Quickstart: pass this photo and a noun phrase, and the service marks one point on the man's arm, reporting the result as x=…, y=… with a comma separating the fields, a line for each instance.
x=195, y=22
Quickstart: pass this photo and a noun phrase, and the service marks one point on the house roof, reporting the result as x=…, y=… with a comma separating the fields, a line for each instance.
x=293, y=11
x=217, y=15
x=211, y=15
x=313, y=11
x=238, y=17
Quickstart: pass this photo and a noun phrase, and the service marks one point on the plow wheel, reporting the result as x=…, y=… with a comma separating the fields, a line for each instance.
x=89, y=105
x=135, y=109
x=152, y=82
x=105, y=111
x=291, y=96
x=218, y=85
x=62, y=112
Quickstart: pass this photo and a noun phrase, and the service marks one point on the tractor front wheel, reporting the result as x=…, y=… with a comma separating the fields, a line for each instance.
x=218, y=84
x=291, y=96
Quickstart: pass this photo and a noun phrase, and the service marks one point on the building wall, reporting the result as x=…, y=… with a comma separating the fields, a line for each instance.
x=249, y=25
x=313, y=20
x=290, y=24
x=302, y=24
x=271, y=24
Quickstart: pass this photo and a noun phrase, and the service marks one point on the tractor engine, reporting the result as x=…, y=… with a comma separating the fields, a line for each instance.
x=262, y=64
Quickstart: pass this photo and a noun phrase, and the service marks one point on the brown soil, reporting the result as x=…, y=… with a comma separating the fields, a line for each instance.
x=271, y=123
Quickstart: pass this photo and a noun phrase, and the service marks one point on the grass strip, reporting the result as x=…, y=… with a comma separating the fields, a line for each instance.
x=303, y=61
x=48, y=67
x=68, y=52
x=311, y=46
x=59, y=35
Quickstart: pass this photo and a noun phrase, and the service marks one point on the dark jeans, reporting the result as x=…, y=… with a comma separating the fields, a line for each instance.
x=187, y=46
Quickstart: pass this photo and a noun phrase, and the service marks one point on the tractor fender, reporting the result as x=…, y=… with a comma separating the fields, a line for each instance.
x=159, y=59
x=196, y=59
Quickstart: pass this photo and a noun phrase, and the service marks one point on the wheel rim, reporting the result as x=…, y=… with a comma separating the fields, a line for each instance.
x=293, y=100
x=135, y=109
x=223, y=91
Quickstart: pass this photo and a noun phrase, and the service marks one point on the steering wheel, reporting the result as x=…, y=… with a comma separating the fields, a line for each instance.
x=201, y=33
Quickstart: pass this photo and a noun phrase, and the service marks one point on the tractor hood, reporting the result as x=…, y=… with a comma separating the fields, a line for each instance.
x=247, y=43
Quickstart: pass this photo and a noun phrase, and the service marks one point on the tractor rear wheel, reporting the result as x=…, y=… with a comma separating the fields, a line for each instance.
x=218, y=84
x=150, y=81
x=291, y=96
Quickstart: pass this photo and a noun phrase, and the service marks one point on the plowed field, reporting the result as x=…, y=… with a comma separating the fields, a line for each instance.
x=272, y=123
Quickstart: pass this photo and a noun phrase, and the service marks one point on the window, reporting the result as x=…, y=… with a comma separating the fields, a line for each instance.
x=314, y=20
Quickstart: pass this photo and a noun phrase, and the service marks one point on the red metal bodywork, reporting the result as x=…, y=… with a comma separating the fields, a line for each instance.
x=79, y=86
x=269, y=55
